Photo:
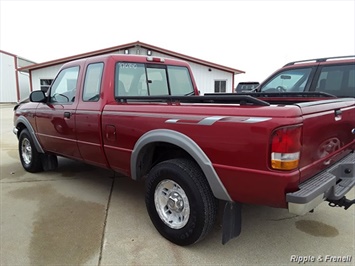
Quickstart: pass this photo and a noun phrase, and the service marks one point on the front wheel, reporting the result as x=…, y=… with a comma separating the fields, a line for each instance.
x=180, y=202
x=29, y=156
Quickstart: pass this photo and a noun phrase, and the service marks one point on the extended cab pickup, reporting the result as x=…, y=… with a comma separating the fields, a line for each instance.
x=142, y=116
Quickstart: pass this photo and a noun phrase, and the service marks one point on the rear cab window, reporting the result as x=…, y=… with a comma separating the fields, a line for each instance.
x=139, y=79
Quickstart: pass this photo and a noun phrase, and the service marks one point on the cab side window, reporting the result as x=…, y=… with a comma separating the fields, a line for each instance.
x=92, y=83
x=337, y=80
x=63, y=89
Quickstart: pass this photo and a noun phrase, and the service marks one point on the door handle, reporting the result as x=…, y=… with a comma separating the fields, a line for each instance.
x=67, y=114
x=337, y=114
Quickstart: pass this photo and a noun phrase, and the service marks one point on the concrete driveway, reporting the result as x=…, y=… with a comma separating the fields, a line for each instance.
x=83, y=215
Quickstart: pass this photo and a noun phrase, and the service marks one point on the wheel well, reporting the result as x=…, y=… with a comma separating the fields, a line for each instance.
x=154, y=153
x=20, y=127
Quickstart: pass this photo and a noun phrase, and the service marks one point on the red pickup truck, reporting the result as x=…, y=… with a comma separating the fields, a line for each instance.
x=142, y=116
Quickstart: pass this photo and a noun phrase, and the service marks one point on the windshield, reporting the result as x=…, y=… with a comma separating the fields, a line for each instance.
x=136, y=79
x=294, y=80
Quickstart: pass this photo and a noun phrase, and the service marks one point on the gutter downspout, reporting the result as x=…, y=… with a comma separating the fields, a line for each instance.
x=17, y=81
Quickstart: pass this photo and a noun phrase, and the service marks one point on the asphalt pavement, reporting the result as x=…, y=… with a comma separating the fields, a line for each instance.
x=84, y=215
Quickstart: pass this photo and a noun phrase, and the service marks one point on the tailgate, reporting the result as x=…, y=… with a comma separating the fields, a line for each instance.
x=328, y=134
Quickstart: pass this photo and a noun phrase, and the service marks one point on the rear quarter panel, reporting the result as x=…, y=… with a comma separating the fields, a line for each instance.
x=237, y=143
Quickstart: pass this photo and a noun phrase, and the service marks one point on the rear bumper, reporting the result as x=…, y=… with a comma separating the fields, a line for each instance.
x=331, y=184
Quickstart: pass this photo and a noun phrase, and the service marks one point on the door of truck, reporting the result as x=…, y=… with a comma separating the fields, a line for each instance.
x=88, y=116
x=55, y=119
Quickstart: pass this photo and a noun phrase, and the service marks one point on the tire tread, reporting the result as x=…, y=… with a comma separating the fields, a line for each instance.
x=196, y=175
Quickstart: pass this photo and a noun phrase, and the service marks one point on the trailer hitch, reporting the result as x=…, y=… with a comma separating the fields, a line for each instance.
x=342, y=202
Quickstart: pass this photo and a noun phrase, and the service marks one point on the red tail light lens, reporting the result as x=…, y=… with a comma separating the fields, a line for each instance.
x=155, y=59
x=286, y=148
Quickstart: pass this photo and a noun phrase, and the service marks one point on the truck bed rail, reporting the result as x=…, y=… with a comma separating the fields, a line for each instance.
x=302, y=94
x=220, y=98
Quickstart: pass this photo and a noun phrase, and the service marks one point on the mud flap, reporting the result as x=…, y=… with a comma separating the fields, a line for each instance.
x=49, y=162
x=232, y=221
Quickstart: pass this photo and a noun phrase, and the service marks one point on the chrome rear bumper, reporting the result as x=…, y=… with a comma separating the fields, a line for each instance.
x=332, y=184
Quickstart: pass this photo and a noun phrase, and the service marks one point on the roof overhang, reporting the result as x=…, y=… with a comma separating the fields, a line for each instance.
x=127, y=46
x=18, y=57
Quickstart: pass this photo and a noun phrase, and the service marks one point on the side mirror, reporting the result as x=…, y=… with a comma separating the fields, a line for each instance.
x=38, y=97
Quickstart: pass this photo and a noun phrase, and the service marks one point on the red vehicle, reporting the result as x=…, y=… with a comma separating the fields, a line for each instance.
x=142, y=116
x=332, y=75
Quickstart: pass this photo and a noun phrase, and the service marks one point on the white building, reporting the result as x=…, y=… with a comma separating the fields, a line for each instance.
x=210, y=77
x=14, y=84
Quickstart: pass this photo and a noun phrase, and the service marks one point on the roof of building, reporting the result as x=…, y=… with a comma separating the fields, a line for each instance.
x=11, y=54
x=127, y=46
x=19, y=57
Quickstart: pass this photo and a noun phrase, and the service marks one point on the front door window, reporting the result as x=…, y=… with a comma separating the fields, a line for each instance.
x=64, y=87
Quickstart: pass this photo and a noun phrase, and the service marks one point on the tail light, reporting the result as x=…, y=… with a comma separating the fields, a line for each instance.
x=286, y=148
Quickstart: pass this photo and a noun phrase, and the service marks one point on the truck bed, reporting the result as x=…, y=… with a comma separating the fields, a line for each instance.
x=243, y=134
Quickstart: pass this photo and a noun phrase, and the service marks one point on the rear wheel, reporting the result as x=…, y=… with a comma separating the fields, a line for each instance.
x=180, y=202
x=29, y=156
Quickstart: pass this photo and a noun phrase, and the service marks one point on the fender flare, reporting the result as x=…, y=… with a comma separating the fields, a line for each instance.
x=23, y=120
x=187, y=144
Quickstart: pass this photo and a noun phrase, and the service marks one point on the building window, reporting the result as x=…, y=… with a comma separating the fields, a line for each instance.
x=220, y=86
x=45, y=84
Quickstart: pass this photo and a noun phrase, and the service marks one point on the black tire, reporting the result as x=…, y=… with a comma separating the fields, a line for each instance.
x=196, y=215
x=29, y=156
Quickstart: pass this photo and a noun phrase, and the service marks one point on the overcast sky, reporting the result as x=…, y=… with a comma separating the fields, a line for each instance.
x=254, y=36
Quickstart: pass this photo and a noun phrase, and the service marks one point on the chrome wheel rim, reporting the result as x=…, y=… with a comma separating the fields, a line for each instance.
x=172, y=204
x=26, y=151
